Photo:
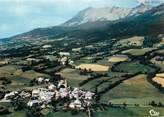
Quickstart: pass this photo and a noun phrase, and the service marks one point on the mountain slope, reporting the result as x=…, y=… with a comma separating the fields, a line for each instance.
x=105, y=14
x=147, y=23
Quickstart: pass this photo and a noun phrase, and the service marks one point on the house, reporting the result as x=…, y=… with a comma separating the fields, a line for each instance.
x=46, y=80
x=46, y=96
x=46, y=46
x=89, y=95
x=40, y=79
x=64, y=60
x=71, y=62
x=64, y=54
x=51, y=87
x=35, y=92
x=76, y=105
x=34, y=103
x=24, y=94
x=62, y=83
x=11, y=95
x=63, y=92
x=43, y=94
x=75, y=93
x=57, y=95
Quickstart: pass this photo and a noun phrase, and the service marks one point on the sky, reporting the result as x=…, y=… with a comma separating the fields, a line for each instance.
x=18, y=16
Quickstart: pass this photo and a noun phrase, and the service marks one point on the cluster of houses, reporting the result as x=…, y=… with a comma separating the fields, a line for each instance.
x=41, y=80
x=42, y=97
x=64, y=58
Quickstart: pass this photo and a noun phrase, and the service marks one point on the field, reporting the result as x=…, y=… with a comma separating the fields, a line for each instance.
x=72, y=76
x=113, y=112
x=2, y=62
x=136, y=40
x=136, y=90
x=94, y=67
x=19, y=79
x=132, y=67
x=137, y=52
x=158, y=63
x=129, y=112
x=161, y=43
x=159, y=79
x=118, y=58
x=103, y=83
x=15, y=71
x=84, y=60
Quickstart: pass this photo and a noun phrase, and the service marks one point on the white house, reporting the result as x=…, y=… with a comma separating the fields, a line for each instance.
x=51, y=87
x=76, y=104
x=35, y=92
x=89, y=95
x=10, y=95
x=64, y=54
x=40, y=79
x=64, y=60
x=62, y=83
x=33, y=102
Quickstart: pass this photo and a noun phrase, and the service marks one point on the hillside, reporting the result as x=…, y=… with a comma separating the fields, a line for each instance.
x=150, y=22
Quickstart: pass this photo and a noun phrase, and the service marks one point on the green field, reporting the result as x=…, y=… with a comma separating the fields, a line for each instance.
x=129, y=112
x=137, y=52
x=135, y=90
x=112, y=112
x=132, y=67
x=19, y=79
x=72, y=76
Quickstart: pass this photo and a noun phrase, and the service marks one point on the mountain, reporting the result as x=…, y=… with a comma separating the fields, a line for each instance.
x=105, y=14
x=137, y=22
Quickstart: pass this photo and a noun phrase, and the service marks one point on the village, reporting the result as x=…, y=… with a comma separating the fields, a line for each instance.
x=73, y=97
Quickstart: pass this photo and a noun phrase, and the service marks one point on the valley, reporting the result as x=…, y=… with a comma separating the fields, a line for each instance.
x=113, y=70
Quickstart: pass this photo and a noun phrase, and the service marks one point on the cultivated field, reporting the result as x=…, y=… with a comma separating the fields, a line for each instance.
x=157, y=62
x=136, y=90
x=136, y=40
x=2, y=62
x=132, y=67
x=18, y=78
x=137, y=52
x=72, y=76
x=159, y=78
x=93, y=67
x=118, y=58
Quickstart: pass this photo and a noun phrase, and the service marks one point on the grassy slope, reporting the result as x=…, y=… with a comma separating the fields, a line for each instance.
x=134, y=90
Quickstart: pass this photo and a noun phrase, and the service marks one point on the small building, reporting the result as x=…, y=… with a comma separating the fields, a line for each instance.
x=64, y=60
x=89, y=95
x=51, y=87
x=46, y=46
x=24, y=94
x=40, y=79
x=62, y=84
x=64, y=54
x=34, y=103
x=76, y=105
x=35, y=92
x=11, y=95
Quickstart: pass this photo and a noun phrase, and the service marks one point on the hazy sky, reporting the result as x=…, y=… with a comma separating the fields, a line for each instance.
x=17, y=16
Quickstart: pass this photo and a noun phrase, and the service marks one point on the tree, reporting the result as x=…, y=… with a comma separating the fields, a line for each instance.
x=19, y=103
x=74, y=112
x=33, y=112
x=150, y=40
x=124, y=104
x=153, y=103
x=160, y=104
